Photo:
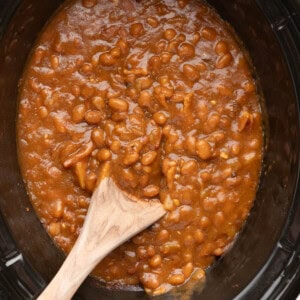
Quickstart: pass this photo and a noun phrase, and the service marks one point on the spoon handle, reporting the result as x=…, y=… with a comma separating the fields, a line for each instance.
x=112, y=219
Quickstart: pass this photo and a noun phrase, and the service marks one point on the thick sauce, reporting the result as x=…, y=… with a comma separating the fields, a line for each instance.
x=164, y=92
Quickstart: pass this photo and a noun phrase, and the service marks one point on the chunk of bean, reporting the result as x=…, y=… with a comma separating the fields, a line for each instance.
x=148, y=158
x=78, y=113
x=224, y=61
x=203, y=149
x=176, y=279
x=93, y=117
x=151, y=190
x=186, y=51
x=118, y=104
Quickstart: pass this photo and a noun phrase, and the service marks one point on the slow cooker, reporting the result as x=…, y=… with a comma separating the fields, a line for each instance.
x=264, y=262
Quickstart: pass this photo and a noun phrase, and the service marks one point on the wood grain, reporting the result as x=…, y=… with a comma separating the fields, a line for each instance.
x=112, y=219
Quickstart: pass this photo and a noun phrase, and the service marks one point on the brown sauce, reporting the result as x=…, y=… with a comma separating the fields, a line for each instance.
x=164, y=92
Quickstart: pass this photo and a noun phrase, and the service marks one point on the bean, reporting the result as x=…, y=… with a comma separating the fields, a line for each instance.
x=115, y=147
x=199, y=236
x=144, y=180
x=181, y=38
x=144, y=83
x=189, y=168
x=235, y=149
x=38, y=56
x=182, y=3
x=225, y=90
x=165, y=57
x=155, y=261
x=58, y=209
x=115, y=52
x=249, y=87
x=137, y=29
x=152, y=22
x=203, y=149
x=154, y=64
x=75, y=90
x=188, y=269
x=191, y=73
x=190, y=144
x=160, y=118
x=169, y=34
x=199, y=274
x=171, y=247
x=98, y=102
x=164, y=80
x=209, y=33
x=135, y=146
x=87, y=68
x=103, y=154
x=98, y=137
x=196, y=38
x=118, y=104
x=218, y=251
x=90, y=181
x=219, y=219
x=178, y=97
x=54, y=228
x=54, y=61
x=80, y=171
x=145, y=99
x=159, y=47
x=221, y=48
x=131, y=158
x=163, y=235
x=148, y=158
x=163, y=91
x=78, y=113
x=209, y=204
x=224, y=61
x=60, y=124
x=107, y=60
x=83, y=202
x=151, y=191
x=218, y=137
x=151, y=250
x=132, y=93
x=205, y=176
x=93, y=117
x=254, y=144
x=123, y=45
x=139, y=111
x=43, y=112
x=176, y=279
x=130, y=178
x=89, y=3
x=186, y=51
x=149, y=280
x=213, y=121
x=168, y=203
x=187, y=256
x=172, y=47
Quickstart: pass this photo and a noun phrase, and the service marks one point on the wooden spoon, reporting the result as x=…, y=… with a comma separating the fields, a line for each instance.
x=112, y=219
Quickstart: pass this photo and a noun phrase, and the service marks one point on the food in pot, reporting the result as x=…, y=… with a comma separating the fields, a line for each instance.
x=164, y=91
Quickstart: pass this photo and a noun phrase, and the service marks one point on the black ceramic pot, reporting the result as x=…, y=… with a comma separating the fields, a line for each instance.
x=264, y=262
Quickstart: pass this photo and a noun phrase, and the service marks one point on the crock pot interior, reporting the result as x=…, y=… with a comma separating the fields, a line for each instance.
x=233, y=272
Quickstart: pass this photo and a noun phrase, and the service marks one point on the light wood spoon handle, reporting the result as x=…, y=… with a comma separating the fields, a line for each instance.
x=111, y=220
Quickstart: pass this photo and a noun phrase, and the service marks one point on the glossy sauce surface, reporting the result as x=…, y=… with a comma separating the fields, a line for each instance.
x=164, y=91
